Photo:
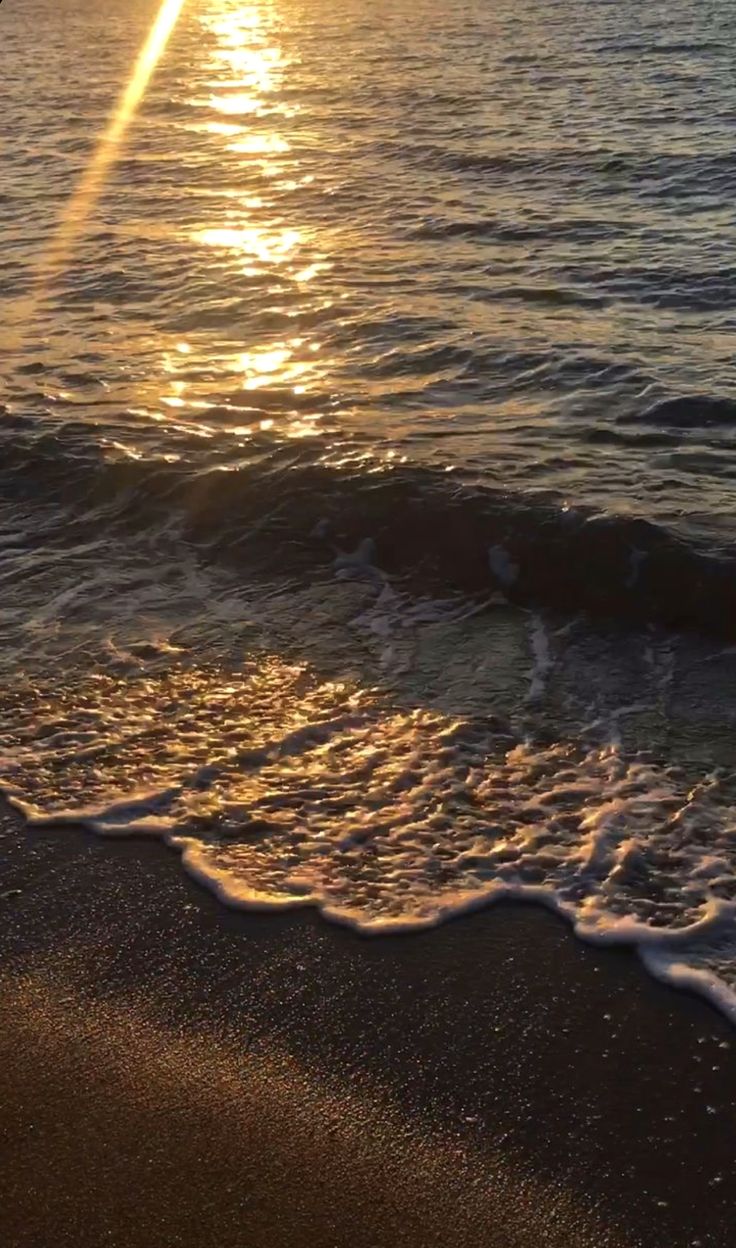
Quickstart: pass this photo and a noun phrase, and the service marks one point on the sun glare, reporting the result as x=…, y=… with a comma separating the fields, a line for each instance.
x=87, y=191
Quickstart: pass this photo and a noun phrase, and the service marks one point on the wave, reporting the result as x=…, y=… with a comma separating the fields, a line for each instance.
x=710, y=289
x=386, y=819
x=689, y=412
x=647, y=176
x=575, y=229
x=282, y=501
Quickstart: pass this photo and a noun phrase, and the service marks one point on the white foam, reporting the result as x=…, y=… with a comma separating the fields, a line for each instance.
x=543, y=660
x=388, y=812
x=282, y=791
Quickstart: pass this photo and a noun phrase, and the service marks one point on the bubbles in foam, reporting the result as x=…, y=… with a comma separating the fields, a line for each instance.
x=281, y=789
x=342, y=746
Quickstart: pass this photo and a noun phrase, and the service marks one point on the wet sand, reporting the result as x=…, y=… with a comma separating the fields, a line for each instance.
x=172, y=1073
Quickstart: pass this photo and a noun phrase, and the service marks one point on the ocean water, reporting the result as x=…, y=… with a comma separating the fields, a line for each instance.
x=367, y=454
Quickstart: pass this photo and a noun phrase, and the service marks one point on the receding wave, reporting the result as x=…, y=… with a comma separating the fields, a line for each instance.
x=388, y=804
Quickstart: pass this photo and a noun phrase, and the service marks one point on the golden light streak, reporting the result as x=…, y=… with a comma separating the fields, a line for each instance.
x=82, y=202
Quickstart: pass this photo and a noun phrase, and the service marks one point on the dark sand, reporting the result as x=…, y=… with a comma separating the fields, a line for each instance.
x=172, y=1073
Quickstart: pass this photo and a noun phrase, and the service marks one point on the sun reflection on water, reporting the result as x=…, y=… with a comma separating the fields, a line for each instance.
x=240, y=356
x=270, y=246
x=255, y=233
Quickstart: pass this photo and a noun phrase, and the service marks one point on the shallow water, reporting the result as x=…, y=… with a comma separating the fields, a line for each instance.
x=367, y=455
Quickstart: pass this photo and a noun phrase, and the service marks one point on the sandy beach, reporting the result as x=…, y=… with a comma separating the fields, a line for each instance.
x=367, y=497
x=175, y=1073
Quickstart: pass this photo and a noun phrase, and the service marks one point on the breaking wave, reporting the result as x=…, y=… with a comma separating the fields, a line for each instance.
x=283, y=503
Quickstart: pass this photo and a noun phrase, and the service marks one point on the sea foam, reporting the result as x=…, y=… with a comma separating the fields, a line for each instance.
x=283, y=789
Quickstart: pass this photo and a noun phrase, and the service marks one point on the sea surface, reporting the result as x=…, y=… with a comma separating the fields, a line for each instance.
x=368, y=453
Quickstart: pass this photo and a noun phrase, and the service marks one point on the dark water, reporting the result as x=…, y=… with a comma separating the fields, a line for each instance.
x=367, y=454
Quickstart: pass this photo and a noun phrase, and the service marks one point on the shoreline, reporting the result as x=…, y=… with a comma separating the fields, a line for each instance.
x=520, y=1070
x=651, y=946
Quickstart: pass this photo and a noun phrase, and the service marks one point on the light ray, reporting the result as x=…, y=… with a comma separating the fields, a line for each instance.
x=85, y=196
